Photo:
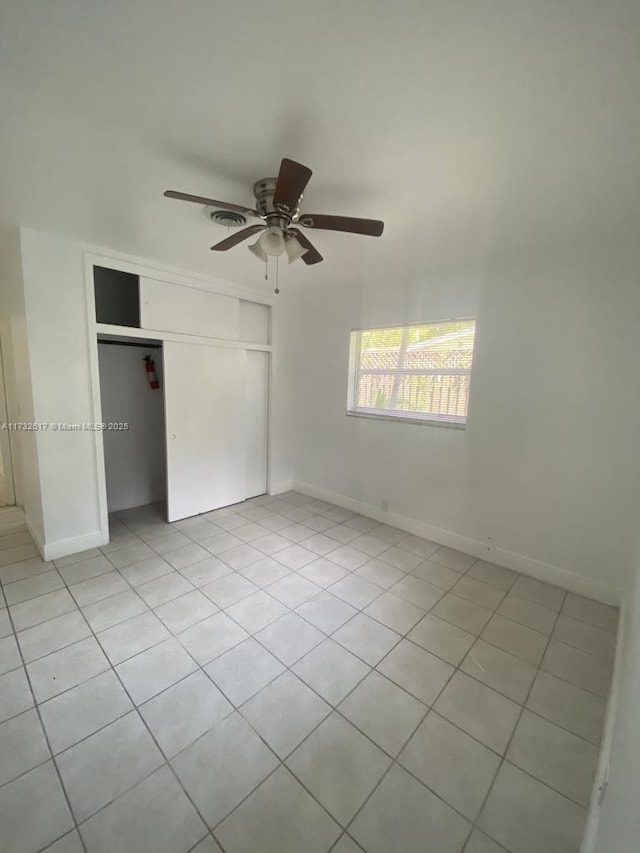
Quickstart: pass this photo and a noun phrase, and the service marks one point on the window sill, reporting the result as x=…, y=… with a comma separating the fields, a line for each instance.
x=408, y=420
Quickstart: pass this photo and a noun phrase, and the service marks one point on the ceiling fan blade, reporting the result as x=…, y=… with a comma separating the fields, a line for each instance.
x=211, y=202
x=238, y=237
x=292, y=179
x=372, y=227
x=312, y=255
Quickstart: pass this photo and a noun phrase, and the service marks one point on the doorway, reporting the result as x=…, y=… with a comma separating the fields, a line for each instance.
x=197, y=442
x=132, y=398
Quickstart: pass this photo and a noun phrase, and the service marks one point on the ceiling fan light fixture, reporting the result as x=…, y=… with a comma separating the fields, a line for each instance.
x=271, y=241
x=258, y=251
x=294, y=249
x=278, y=206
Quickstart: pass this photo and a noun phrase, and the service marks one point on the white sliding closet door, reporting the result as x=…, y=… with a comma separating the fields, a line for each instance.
x=205, y=406
x=256, y=421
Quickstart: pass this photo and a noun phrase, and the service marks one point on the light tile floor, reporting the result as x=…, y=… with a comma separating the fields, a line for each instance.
x=284, y=676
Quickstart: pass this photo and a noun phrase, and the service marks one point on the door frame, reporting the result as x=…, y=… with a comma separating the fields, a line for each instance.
x=5, y=440
x=144, y=270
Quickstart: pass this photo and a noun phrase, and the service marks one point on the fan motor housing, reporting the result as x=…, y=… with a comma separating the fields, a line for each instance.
x=263, y=191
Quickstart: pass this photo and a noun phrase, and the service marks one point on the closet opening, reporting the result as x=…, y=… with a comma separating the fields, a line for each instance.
x=133, y=415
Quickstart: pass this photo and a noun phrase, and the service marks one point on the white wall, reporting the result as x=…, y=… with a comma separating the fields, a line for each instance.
x=135, y=459
x=58, y=343
x=619, y=824
x=547, y=467
x=18, y=388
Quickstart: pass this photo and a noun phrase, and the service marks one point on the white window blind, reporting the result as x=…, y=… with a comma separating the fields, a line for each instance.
x=418, y=372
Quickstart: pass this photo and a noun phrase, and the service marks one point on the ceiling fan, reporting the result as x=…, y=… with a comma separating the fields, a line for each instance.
x=278, y=205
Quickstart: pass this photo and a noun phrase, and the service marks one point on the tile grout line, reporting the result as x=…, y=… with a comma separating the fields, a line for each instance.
x=290, y=669
x=378, y=556
x=336, y=710
x=281, y=763
x=36, y=708
x=430, y=708
x=292, y=610
x=406, y=573
x=509, y=742
x=265, y=589
x=391, y=545
x=252, y=636
x=135, y=709
x=222, y=610
x=333, y=709
x=394, y=759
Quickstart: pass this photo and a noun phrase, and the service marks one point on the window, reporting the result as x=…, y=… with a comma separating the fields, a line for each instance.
x=418, y=372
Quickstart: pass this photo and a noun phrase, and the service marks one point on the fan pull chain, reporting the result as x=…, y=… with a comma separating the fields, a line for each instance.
x=277, y=290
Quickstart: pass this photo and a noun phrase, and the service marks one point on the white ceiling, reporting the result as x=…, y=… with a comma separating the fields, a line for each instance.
x=425, y=114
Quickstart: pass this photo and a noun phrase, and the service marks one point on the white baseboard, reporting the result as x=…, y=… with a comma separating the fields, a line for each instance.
x=526, y=565
x=63, y=547
x=73, y=545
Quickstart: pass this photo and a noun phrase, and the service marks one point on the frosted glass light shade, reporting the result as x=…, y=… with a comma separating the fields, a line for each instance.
x=258, y=251
x=272, y=241
x=294, y=249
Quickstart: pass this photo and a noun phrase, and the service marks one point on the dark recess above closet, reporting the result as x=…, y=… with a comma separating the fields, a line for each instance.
x=117, y=297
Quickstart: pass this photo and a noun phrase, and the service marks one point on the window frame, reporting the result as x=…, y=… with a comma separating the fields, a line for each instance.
x=446, y=421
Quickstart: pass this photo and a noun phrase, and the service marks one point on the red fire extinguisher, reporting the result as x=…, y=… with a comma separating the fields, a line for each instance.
x=150, y=367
